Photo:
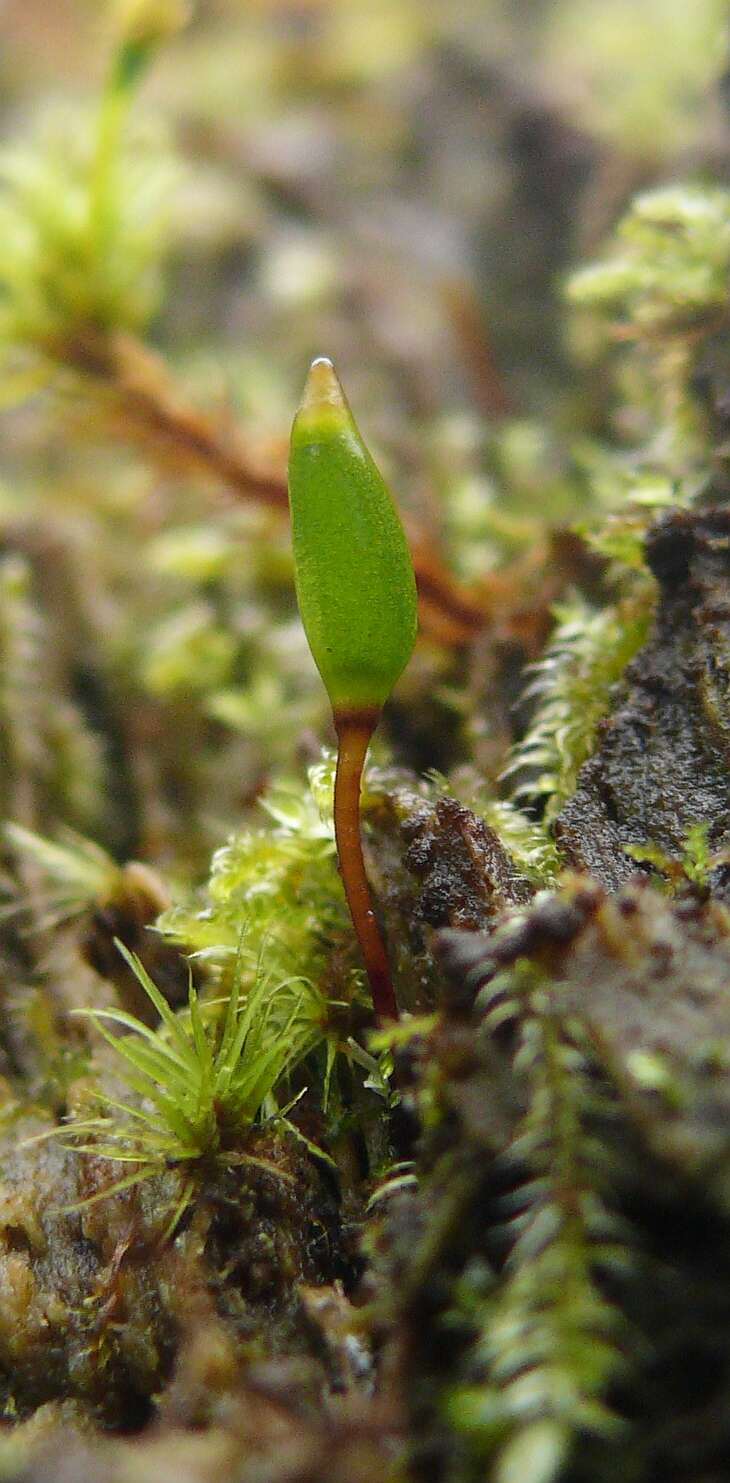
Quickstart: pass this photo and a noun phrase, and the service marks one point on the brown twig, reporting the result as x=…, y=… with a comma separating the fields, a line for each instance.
x=468, y=323
x=151, y=408
x=143, y=391
x=140, y=383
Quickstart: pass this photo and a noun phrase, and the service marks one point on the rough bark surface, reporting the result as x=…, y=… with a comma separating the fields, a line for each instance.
x=664, y=751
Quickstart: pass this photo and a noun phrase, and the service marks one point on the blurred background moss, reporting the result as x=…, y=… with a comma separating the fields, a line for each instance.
x=404, y=186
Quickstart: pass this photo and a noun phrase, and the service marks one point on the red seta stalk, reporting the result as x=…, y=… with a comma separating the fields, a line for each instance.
x=354, y=730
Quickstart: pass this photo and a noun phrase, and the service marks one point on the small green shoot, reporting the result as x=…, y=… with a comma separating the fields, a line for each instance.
x=76, y=872
x=83, y=222
x=695, y=863
x=201, y=1082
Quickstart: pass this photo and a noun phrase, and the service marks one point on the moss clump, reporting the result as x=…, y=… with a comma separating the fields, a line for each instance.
x=667, y=275
x=65, y=272
x=202, y=1079
x=274, y=896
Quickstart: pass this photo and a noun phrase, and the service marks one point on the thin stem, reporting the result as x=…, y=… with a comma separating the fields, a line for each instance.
x=116, y=101
x=354, y=731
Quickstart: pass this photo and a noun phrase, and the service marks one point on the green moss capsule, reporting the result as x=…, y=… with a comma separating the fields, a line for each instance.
x=357, y=598
x=354, y=577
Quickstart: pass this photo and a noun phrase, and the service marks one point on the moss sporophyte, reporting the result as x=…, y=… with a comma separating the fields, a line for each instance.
x=357, y=598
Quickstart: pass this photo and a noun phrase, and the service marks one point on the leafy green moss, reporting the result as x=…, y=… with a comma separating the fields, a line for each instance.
x=202, y=1078
x=549, y=1339
x=695, y=864
x=527, y=840
x=571, y=690
x=83, y=220
x=668, y=272
x=274, y=896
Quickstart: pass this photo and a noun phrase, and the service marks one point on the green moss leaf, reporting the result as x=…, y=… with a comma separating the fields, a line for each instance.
x=535, y=1455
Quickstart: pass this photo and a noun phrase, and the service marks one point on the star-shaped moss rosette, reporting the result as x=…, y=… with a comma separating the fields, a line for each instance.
x=357, y=598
